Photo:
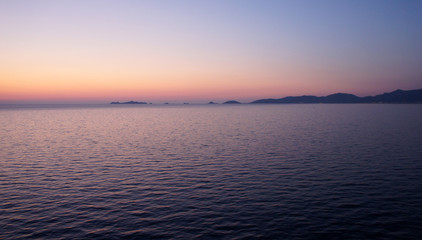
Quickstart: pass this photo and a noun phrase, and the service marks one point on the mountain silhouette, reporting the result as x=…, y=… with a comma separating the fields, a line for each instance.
x=397, y=96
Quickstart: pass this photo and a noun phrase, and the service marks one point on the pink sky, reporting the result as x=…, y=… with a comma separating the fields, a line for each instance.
x=198, y=52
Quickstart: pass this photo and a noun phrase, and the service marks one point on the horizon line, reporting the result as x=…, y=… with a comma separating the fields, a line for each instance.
x=165, y=102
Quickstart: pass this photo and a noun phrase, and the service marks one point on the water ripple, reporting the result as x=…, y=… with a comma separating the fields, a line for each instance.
x=202, y=172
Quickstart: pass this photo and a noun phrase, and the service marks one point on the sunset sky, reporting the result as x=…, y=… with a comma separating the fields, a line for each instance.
x=200, y=51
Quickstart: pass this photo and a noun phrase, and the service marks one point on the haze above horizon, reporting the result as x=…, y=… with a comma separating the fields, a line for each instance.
x=196, y=51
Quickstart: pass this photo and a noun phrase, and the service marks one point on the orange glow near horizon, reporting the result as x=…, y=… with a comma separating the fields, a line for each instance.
x=103, y=86
x=122, y=80
x=50, y=83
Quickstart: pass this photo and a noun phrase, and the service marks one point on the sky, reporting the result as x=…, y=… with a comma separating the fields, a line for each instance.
x=198, y=51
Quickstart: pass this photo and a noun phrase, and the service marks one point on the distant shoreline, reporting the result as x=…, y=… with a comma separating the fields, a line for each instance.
x=397, y=96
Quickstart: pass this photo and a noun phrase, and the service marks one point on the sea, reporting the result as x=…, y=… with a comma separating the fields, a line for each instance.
x=283, y=171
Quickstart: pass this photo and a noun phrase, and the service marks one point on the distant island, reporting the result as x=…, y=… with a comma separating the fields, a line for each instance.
x=231, y=102
x=130, y=102
x=398, y=96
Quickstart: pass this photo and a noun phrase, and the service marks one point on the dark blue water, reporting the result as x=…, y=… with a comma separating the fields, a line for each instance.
x=212, y=172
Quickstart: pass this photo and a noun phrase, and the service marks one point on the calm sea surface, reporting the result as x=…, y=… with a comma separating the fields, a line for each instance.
x=317, y=171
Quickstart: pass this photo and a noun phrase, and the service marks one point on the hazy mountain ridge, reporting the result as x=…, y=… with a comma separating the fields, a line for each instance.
x=397, y=96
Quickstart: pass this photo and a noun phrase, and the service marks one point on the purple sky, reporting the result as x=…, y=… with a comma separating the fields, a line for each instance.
x=96, y=51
